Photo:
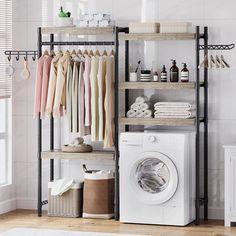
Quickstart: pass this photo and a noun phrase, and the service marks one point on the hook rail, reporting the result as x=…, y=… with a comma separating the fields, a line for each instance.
x=217, y=47
x=25, y=54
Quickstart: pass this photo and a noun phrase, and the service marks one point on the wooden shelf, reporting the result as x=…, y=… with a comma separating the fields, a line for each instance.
x=95, y=155
x=157, y=85
x=158, y=36
x=78, y=30
x=157, y=121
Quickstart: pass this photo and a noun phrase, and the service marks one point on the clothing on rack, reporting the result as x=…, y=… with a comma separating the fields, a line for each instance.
x=80, y=86
x=52, y=83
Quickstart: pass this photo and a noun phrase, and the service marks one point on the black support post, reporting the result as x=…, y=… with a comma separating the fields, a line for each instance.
x=126, y=76
x=117, y=192
x=51, y=126
x=39, y=140
x=197, y=128
x=206, y=127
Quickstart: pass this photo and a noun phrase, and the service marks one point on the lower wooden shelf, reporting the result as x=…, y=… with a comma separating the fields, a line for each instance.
x=157, y=121
x=95, y=155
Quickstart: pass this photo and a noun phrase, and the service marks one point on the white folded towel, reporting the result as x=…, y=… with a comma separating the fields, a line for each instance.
x=139, y=114
x=175, y=114
x=141, y=99
x=61, y=186
x=174, y=105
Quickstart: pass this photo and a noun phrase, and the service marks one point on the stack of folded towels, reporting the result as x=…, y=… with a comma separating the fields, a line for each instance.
x=140, y=108
x=180, y=110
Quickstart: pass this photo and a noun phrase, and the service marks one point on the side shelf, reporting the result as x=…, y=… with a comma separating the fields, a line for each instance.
x=157, y=121
x=158, y=85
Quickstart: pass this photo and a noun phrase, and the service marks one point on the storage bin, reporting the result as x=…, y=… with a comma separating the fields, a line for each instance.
x=149, y=27
x=175, y=27
x=69, y=204
x=98, y=194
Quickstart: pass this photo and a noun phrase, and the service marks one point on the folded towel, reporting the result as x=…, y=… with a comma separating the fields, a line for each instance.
x=170, y=105
x=172, y=109
x=180, y=114
x=135, y=106
x=139, y=114
x=140, y=106
x=141, y=99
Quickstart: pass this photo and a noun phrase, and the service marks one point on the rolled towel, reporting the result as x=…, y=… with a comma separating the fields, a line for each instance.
x=144, y=114
x=131, y=113
x=141, y=99
x=135, y=106
x=180, y=114
x=175, y=105
x=144, y=106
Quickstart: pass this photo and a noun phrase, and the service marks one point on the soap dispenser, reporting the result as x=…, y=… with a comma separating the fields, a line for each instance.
x=163, y=74
x=184, y=75
x=174, y=72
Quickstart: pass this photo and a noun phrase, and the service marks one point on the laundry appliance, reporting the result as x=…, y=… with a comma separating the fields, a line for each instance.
x=157, y=178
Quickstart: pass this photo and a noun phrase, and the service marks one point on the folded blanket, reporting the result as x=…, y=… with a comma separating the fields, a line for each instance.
x=176, y=114
x=170, y=105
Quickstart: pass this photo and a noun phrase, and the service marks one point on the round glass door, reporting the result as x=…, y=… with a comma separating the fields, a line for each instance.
x=152, y=175
x=154, y=178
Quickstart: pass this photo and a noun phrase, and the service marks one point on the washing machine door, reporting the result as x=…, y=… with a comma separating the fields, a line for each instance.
x=154, y=178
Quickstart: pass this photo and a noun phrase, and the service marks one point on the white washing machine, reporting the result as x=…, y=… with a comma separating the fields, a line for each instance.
x=157, y=178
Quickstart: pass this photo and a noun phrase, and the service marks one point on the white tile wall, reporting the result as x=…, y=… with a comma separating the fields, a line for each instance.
x=219, y=17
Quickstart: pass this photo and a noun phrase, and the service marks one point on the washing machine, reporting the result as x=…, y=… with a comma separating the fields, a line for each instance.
x=157, y=178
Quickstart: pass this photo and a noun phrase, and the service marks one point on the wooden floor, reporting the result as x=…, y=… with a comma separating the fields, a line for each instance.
x=29, y=219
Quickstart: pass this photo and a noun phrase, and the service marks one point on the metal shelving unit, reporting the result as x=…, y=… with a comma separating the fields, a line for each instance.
x=195, y=86
x=55, y=154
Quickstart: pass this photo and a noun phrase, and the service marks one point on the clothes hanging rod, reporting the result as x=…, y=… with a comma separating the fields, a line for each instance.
x=218, y=47
x=106, y=43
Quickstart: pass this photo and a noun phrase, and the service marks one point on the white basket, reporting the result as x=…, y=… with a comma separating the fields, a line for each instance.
x=139, y=28
x=175, y=27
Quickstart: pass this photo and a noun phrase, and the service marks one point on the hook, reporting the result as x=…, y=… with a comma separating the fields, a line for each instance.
x=9, y=57
x=34, y=56
x=26, y=56
x=18, y=56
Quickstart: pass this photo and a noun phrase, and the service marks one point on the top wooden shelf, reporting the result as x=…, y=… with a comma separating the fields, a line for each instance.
x=78, y=30
x=158, y=36
x=95, y=155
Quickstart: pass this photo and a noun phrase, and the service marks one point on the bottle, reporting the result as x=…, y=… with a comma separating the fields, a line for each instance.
x=184, y=75
x=163, y=74
x=155, y=77
x=174, y=72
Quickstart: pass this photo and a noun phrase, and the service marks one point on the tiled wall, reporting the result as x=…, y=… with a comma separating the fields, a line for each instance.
x=221, y=19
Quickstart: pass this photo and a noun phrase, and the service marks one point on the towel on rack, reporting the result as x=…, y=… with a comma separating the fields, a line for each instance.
x=175, y=114
x=174, y=105
x=144, y=114
x=140, y=106
x=141, y=99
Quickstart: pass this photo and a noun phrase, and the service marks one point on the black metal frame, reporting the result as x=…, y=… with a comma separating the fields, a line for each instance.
x=21, y=53
x=52, y=43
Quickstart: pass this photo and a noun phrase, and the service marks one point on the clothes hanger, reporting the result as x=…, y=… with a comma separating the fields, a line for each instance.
x=112, y=53
x=52, y=53
x=104, y=52
x=79, y=53
x=91, y=53
x=73, y=52
x=217, y=59
x=45, y=53
x=204, y=62
x=224, y=62
x=97, y=53
x=212, y=62
x=85, y=52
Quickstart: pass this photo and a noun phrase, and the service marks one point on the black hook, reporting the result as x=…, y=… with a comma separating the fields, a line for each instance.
x=26, y=56
x=34, y=56
x=18, y=56
x=9, y=57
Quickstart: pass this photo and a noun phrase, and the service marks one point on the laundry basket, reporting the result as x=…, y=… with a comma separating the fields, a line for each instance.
x=69, y=204
x=98, y=194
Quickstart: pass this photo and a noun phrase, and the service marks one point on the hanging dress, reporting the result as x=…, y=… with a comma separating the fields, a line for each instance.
x=69, y=81
x=101, y=96
x=109, y=102
x=87, y=90
x=52, y=83
x=45, y=82
x=94, y=98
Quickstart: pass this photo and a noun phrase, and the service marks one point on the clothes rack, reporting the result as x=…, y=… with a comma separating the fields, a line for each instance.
x=52, y=43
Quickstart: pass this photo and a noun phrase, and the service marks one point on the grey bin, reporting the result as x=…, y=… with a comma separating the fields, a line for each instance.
x=69, y=204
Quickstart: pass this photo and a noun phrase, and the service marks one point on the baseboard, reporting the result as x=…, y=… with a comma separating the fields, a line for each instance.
x=216, y=213
x=8, y=205
x=28, y=204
